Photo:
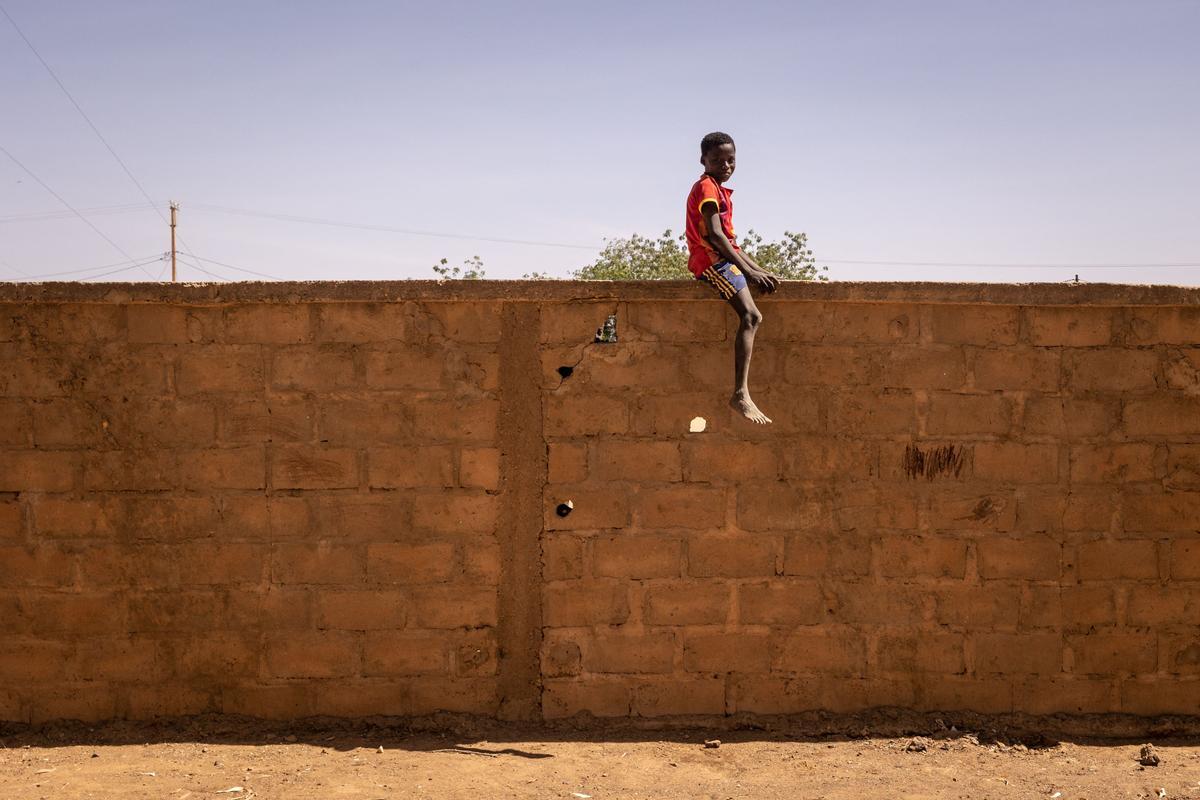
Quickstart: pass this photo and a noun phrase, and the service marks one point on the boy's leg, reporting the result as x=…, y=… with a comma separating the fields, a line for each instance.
x=743, y=348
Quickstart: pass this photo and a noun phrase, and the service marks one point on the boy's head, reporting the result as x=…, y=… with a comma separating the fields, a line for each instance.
x=718, y=155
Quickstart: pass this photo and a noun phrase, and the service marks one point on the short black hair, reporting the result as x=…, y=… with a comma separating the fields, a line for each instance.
x=714, y=140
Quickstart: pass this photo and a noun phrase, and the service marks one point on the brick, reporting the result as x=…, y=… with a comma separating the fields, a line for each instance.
x=220, y=369
x=280, y=701
x=1073, y=326
x=781, y=603
x=215, y=562
x=211, y=655
x=1182, y=467
x=566, y=698
x=130, y=470
x=408, y=467
x=37, y=470
x=362, y=322
x=1065, y=695
x=815, y=556
x=226, y=468
x=624, y=654
x=1156, y=696
x=1170, y=511
x=390, y=653
x=1016, y=463
x=692, y=603
x=1068, y=607
x=1026, y=559
x=1111, y=653
x=455, y=512
x=637, y=461
x=560, y=658
x=868, y=413
x=479, y=467
x=1116, y=560
x=1053, y=509
x=405, y=368
x=16, y=422
x=168, y=518
x=1112, y=370
x=824, y=651
x=462, y=419
x=285, y=607
x=370, y=420
x=12, y=521
x=394, y=562
x=672, y=414
x=1162, y=606
x=34, y=566
x=812, y=458
x=721, y=462
x=24, y=661
x=969, y=415
x=1017, y=369
x=921, y=651
x=169, y=700
x=649, y=366
x=885, y=323
x=70, y=423
x=313, y=368
x=588, y=415
x=74, y=322
x=680, y=507
x=168, y=324
x=923, y=367
x=84, y=702
x=934, y=692
x=320, y=562
x=118, y=658
x=568, y=463
x=562, y=557
x=86, y=613
x=471, y=321
x=1071, y=417
x=672, y=321
x=862, y=507
x=736, y=556
x=360, y=610
x=262, y=323
x=362, y=698
x=55, y=518
x=1162, y=415
x=981, y=607
x=326, y=654
x=886, y=604
x=572, y=323
x=637, y=557
x=278, y=418
x=576, y=603
x=303, y=467
x=674, y=696
x=1109, y=464
x=474, y=653
x=1018, y=653
x=1164, y=324
x=726, y=652
x=454, y=606
x=830, y=365
x=593, y=508
x=481, y=562
x=974, y=324
x=916, y=556
x=1185, y=560
x=780, y=507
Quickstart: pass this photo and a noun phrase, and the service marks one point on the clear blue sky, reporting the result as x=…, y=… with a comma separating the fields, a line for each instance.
x=930, y=131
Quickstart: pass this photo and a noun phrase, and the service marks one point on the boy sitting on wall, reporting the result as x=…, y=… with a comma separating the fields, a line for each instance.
x=713, y=256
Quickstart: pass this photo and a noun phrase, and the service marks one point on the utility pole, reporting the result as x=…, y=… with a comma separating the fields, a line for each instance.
x=174, y=208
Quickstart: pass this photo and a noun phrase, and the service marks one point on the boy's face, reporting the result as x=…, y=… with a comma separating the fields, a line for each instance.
x=719, y=162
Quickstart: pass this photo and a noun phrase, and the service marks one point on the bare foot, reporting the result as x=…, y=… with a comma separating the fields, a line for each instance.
x=742, y=404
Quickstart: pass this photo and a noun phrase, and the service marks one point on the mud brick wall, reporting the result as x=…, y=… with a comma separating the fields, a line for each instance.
x=341, y=498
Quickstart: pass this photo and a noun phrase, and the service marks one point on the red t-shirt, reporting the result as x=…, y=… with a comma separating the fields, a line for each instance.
x=701, y=254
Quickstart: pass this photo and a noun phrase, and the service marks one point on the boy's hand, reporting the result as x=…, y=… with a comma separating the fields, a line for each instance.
x=764, y=280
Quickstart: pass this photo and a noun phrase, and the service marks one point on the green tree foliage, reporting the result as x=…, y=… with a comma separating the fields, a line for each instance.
x=640, y=258
x=471, y=270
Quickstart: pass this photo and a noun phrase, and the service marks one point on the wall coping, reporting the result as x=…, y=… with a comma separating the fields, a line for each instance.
x=1030, y=294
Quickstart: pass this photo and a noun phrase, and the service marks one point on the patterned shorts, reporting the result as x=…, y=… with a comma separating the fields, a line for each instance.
x=727, y=279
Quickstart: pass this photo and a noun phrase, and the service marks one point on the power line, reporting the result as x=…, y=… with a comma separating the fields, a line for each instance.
x=124, y=265
x=239, y=269
x=100, y=211
x=196, y=266
x=114, y=272
x=384, y=228
x=60, y=199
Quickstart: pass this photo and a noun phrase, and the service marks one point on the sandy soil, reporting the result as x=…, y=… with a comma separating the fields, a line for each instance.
x=223, y=759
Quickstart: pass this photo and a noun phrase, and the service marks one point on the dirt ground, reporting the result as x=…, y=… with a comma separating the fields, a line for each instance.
x=236, y=759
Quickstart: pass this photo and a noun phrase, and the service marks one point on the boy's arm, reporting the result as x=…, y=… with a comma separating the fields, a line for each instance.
x=716, y=237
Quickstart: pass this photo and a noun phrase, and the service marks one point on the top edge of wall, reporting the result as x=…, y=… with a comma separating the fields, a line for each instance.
x=1082, y=294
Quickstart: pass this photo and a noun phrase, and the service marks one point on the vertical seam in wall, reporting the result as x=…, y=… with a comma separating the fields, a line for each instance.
x=523, y=470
